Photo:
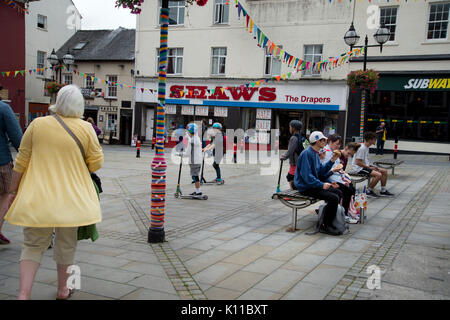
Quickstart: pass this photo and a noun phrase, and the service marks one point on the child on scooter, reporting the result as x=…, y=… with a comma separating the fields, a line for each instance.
x=194, y=152
x=217, y=146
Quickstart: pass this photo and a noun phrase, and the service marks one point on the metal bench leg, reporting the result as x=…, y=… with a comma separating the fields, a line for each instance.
x=393, y=168
x=294, y=219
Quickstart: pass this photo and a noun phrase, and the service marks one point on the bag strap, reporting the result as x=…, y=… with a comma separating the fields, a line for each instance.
x=71, y=134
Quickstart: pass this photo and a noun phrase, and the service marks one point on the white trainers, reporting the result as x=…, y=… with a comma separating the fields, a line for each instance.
x=350, y=220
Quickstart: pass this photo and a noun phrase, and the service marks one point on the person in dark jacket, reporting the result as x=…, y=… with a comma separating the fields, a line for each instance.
x=294, y=150
x=309, y=177
x=9, y=131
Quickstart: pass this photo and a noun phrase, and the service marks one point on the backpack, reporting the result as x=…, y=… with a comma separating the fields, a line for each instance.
x=339, y=222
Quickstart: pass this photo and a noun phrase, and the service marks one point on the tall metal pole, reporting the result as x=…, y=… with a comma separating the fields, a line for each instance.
x=156, y=232
x=363, y=94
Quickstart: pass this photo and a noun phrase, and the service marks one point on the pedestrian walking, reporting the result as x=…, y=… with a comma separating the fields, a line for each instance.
x=295, y=147
x=97, y=130
x=381, y=137
x=52, y=188
x=9, y=130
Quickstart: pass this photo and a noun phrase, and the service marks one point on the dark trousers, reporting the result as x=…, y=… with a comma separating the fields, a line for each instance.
x=332, y=197
x=380, y=146
x=217, y=167
x=347, y=193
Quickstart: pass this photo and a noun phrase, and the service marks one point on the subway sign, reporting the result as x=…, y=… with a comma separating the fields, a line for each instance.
x=414, y=83
x=432, y=83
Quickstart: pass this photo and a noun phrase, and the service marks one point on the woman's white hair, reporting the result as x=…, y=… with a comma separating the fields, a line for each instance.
x=69, y=102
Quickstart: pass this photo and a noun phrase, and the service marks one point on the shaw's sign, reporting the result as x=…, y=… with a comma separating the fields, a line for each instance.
x=434, y=83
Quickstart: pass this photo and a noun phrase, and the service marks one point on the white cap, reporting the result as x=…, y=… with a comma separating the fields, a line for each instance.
x=316, y=136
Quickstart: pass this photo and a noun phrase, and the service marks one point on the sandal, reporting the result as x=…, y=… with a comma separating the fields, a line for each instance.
x=71, y=291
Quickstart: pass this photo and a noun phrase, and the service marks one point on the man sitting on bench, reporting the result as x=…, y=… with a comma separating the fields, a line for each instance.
x=309, y=176
x=361, y=164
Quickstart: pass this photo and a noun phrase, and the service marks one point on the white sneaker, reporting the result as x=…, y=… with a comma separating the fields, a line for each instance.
x=350, y=220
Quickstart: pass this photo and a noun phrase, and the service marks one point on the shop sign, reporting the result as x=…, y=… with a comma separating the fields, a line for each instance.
x=171, y=109
x=187, y=110
x=264, y=114
x=414, y=83
x=201, y=111
x=108, y=109
x=220, y=112
x=262, y=125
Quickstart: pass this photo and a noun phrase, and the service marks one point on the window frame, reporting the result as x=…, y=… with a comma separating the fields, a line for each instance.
x=111, y=88
x=66, y=76
x=43, y=64
x=45, y=22
x=271, y=57
x=311, y=72
x=176, y=57
x=219, y=56
x=109, y=127
x=87, y=78
x=390, y=24
x=428, y=22
x=172, y=5
x=218, y=4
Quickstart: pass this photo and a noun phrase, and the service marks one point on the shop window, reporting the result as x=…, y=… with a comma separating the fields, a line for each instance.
x=388, y=16
x=219, y=56
x=221, y=11
x=313, y=54
x=248, y=118
x=438, y=20
x=176, y=12
x=112, y=87
x=272, y=65
x=111, y=123
x=41, y=56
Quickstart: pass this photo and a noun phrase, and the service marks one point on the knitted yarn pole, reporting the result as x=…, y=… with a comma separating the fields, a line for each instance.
x=156, y=232
x=363, y=108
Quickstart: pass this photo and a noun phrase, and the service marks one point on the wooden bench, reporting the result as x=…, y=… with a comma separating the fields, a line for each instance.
x=388, y=164
x=359, y=177
x=297, y=201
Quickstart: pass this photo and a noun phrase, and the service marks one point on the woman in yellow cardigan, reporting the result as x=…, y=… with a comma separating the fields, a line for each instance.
x=52, y=188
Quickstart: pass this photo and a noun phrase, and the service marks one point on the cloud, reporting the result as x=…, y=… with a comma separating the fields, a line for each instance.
x=102, y=14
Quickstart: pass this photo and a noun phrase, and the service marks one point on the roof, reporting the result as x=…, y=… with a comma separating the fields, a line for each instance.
x=101, y=45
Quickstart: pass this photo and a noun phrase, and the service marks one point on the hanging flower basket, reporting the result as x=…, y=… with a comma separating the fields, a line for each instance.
x=135, y=5
x=363, y=80
x=53, y=87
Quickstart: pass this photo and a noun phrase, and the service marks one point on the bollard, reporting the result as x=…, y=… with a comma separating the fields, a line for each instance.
x=395, y=147
x=138, y=149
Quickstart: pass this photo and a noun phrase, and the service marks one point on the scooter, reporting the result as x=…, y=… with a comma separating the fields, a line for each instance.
x=275, y=196
x=179, y=194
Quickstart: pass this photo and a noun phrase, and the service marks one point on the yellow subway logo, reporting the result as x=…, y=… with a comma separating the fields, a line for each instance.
x=439, y=83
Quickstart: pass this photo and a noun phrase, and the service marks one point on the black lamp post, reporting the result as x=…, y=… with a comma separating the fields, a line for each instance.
x=351, y=38
x=54, y=60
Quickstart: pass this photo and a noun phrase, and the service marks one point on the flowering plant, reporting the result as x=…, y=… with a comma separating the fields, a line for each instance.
x=135, y=5
x=53, y=87
x=363, y=80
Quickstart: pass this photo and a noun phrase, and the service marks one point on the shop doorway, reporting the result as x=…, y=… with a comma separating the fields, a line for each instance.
x=285, y=117
x=126, y=119
x=91, y=114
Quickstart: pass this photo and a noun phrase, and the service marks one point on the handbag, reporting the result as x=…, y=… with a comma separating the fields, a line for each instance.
x=90, y=231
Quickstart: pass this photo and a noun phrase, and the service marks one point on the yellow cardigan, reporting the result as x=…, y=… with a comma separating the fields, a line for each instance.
x=56, y=189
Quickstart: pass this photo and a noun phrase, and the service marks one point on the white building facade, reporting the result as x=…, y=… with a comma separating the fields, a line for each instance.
x=211, y=55
x=48, y=26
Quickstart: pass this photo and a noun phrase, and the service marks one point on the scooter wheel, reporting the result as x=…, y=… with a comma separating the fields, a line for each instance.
x=176, y=195
x=205, y=197
x=275, y=197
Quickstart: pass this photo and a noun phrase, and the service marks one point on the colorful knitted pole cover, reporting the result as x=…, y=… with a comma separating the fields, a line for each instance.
x=156, y=232
x=363, y=107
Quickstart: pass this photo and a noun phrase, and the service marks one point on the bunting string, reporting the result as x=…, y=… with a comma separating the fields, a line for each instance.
x=15, y=5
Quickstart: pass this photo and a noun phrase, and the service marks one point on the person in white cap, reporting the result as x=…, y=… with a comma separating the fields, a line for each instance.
x=310, y=175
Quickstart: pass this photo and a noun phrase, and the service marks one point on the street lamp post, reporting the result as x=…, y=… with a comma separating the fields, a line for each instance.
x=56, y=63
x=351, y=38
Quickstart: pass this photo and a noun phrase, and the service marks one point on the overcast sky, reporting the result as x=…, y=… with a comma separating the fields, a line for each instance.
x=102, y=14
